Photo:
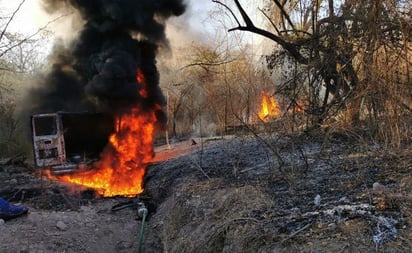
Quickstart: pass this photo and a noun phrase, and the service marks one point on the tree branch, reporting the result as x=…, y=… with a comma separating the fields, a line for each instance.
x=204, y=65
x=292, y=48
x=270, y=20
x=10, y=19
x=32, y=35
x=230, y=10
x=284, y=13
x=10, y=70
x=244, y=15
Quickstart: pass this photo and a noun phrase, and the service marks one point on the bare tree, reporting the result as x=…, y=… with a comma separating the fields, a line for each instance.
x=20, y=57
x=213, y=86
x=339, y=43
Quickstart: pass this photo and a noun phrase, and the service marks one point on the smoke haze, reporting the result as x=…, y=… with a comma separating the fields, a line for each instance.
x=97, y=70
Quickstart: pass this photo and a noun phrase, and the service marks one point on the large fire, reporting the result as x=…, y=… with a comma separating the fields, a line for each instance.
x=123, y=162
x=269, y=107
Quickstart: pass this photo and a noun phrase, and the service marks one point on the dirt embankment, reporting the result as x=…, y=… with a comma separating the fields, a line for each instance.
x=233, y=194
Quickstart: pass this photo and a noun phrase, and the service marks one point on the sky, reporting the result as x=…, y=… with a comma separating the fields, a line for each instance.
x=195, y=25
x=27, y=20
x=31, y=16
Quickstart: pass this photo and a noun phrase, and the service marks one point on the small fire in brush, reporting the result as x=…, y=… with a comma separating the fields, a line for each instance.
x=269, y=107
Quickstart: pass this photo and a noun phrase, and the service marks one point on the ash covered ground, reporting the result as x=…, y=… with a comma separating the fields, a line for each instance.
x=228, y=194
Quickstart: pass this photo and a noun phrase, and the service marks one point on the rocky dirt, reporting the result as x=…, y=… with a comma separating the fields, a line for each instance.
x=230, y=194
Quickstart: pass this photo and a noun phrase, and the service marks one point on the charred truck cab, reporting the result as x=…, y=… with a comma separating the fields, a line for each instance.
x=68, y=142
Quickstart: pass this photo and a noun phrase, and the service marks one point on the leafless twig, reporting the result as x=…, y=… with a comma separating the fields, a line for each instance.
x=296, y=232
x=33, y=34
x=10, y=19
x=201, y=170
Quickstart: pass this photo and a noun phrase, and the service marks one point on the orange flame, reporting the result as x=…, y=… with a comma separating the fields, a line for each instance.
x=141, y=80
x=124, y=160
x=299, y=107
x=269, y=107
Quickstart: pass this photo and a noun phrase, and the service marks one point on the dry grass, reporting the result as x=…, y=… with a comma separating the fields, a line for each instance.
x=220, y=218
x=249, y=204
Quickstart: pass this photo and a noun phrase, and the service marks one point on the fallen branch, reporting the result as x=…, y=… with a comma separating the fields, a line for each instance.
x=201, y=170
x=296, y=232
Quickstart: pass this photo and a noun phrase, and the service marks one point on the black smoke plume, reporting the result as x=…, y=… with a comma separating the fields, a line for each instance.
x=97, y=72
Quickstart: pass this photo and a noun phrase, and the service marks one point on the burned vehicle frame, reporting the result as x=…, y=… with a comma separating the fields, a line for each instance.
x=67, y=142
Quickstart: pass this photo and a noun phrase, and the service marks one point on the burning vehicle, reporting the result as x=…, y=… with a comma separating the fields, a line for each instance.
x=109, y=67
x=69, y=142
x=107, y=154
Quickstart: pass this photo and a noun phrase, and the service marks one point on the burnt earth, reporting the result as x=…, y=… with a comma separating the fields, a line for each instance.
x=231, y=194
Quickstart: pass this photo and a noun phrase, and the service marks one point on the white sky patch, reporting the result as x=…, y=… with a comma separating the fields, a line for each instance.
x=29, y=19
x=194, y=25
x=200, y=23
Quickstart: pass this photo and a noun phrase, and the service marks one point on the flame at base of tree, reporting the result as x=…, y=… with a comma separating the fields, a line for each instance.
x=269, y=107
x=124, y=160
